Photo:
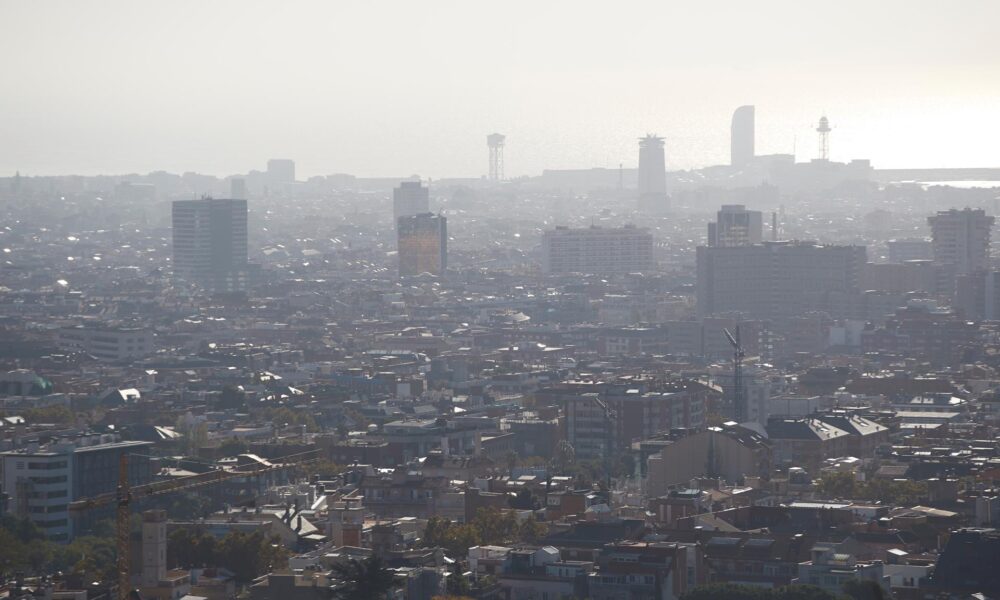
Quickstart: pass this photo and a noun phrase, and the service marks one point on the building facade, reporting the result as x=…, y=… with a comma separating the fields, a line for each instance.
x=210, y=243
x=961, y=239
x=741, y=136
x=422, y=243
x=43, y=480
x=652, y=173
x=107, y=343
x=410, y=198
x=736, y=226
x=597, y=250
x=775, y=280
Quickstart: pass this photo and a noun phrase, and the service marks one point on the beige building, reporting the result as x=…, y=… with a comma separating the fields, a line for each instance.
x=730, y=452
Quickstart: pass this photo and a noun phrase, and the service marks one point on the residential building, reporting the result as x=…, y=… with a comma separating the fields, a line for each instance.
x=961, y=239
x=831, y=569
x=730, y=452
x=646, y=571
x=805, y=442
x=210, y=243
x=410, y=198
x=280, y=171
x=599, y=250
x=779, y=279
x=968, y=563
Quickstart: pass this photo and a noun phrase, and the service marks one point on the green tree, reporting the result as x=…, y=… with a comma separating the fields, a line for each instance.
x=531, y=531
x=58, y=415
x=250, y=555
x=727, y=591
x=459, y=538
x=232, y=397
x=733, y=591
x=838, y=485
x=365, y=579
x=458, y=583
x=233, y=446
x=496, y=527
x=11, y=552
x=511, y=460
x=802, y=592
x=436, y=531
x=564, y=457
x=864, y=589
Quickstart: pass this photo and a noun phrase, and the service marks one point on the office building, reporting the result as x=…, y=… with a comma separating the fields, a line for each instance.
x=210, y=243
x=736, y=226
x=598, y=250
x=961, y=239
x=410, y=198
x=422, y=244
x=776, y=280
x=652, y=173
x=280, y=171
x=43, y=480
x=741, y=136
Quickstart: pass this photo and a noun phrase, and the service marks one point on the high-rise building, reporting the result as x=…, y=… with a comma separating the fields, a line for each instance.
x=210, y=243
x=627, y=249
x=741, y=136
x=422, y=244
x=238, y=188
x=652, y=173
x=961, y=238
x=736, y=226
x=280, y=171
x=410, y=198
x=776, y=280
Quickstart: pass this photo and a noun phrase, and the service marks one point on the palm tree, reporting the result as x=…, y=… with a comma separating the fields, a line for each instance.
x=365, y=579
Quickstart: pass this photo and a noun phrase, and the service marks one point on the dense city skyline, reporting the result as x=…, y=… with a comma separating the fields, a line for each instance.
x=526, y=301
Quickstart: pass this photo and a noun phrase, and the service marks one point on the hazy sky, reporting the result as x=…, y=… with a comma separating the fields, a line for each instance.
x=413, y=86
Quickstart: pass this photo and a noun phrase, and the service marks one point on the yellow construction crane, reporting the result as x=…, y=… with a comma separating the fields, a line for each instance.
x=125, y=495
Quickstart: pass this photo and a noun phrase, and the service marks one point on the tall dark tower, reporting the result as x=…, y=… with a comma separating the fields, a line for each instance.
x=741, y=137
